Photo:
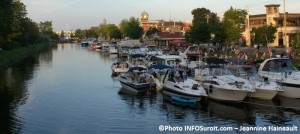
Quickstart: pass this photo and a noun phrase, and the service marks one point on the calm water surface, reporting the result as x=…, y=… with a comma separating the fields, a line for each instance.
x=69, y=89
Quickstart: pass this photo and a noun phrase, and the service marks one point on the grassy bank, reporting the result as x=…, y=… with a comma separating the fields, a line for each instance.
x=8, y=58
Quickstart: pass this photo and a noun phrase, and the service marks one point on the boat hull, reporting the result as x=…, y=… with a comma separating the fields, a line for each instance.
x=263, y=94
x=226, y=94
x=176, y=93
x=290, y=92
x=137, y=88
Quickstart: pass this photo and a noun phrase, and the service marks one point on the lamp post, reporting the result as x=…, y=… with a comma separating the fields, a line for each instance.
x=284, y=24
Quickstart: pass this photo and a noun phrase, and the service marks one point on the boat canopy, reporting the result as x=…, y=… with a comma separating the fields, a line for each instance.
x=160, y=67
x=215, y=61
x=137, y=68
x=136, y=55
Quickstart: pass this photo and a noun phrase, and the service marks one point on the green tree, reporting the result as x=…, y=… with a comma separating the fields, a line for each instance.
x=6, y=19
x=72, y=35
x=62, y=34
x=264, y=34
x=151, y=30
x=203, y=15
x=78, y=33
x=219, y=30
x=232, y=32
x=46, y=27
x=131, y=28
x=204, y=22
x=238, y=16
x=234, y=22
x=199, y=33
x=296, y=42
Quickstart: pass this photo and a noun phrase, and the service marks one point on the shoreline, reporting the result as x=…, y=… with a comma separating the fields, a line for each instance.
x=11, y=57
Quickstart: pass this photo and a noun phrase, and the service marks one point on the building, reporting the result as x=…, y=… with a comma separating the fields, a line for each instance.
x=165, y=38
x=275, y=18
x=67, y=34
x=162, y=25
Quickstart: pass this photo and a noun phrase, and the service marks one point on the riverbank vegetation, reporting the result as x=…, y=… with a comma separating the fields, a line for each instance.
x=18, y=30
x=19, y=35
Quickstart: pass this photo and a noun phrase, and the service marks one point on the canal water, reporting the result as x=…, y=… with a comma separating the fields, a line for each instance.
x=69, y=89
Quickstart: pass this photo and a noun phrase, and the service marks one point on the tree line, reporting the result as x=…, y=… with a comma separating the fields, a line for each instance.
x=127, y=28
x=208, y=28
x=18, y=30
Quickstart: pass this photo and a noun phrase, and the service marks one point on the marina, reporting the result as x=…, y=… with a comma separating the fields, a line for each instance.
x=70, y=89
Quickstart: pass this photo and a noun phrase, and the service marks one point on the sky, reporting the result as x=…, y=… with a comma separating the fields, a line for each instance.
x=83, y=14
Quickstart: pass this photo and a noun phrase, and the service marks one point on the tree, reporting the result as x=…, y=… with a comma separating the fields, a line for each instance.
x=232, y=32
x=131, y=28
x=234, y=22
x=6, y=19
x=238, y=16
x=264, y=34
x=78, y=33
x=199, y=33
x=46, y=27
x=203, y=15
x=114, y=32
x=62, y=34
x=296, y=42
x=151, y=30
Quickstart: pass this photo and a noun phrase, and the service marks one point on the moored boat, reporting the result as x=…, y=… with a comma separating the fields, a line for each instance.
x=220, y=83
x=137, y=79
x=283, y=72
x=264, y=88
x=178, y=86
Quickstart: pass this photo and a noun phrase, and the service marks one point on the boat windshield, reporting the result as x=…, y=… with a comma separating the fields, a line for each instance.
x=219, y=71
x=279, y=65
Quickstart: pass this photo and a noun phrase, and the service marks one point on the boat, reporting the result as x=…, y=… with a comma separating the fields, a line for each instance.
x=113, y=49
x=137, y=79
x=119, y=67
x=220, y=83
x=152, y=50
x=84, y=43
x=123, y=51
x=179, y=87
x=283, y=72
x=264, y=88
x=135, y=60
x=105, y=47
x=96, y=46
x=158, y=72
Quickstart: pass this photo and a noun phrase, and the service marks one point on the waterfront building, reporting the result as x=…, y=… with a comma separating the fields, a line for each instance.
x=162, y=25
x=165, y=38
x=67, y=34
x=275, y=18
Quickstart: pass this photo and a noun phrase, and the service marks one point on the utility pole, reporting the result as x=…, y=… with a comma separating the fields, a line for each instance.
x=284, y=24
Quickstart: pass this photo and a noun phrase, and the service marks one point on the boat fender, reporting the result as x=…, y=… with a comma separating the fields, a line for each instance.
x=210, y=88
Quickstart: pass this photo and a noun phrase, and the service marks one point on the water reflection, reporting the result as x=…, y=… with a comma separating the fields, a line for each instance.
x=68, y=90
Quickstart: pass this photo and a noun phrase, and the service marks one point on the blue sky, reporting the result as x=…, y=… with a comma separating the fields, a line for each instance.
x=74, y=14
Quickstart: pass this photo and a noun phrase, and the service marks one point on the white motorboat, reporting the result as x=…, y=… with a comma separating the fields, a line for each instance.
x=179, y=87
x=113, y=49
x=264, y=88
x=119, y=67
x=135, y=60
x=283, y=72
x=106, y=47
x=152, y=50
x=220, y=83
x=137, y=79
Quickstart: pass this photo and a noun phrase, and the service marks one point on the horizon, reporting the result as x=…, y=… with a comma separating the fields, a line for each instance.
x=78, y=14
